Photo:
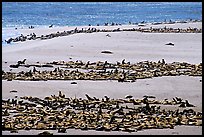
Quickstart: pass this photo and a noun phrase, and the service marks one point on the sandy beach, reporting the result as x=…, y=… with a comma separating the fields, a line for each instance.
x=129, y=45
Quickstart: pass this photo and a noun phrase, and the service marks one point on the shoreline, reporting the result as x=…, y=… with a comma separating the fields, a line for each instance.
x=33, y=34
x=106, y=24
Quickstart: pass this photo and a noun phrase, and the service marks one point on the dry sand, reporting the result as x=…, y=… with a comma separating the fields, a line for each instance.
x=132, y=46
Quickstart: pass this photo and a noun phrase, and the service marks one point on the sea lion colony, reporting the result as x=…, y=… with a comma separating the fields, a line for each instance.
x=128, y=114
x=120, y=71
x=33, y=36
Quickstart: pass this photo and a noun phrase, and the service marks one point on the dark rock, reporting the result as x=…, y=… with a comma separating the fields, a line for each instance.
x=73, y=82
x=107, y=52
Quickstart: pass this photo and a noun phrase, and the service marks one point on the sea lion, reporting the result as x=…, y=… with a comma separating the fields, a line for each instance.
x=108, y=35
x=45, y=133
x=21, y=62
x=145, y=96
x=89, y=98
x=51, y=26
x=107, y=98
x=128, y=96
x=182, y=104
x=62, y=130
x=61, y=94
x=188, y=104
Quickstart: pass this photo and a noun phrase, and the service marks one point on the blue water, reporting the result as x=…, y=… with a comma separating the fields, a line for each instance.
x=40, y=14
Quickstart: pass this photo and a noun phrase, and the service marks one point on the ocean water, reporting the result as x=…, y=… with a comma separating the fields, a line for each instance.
x=41, y=14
